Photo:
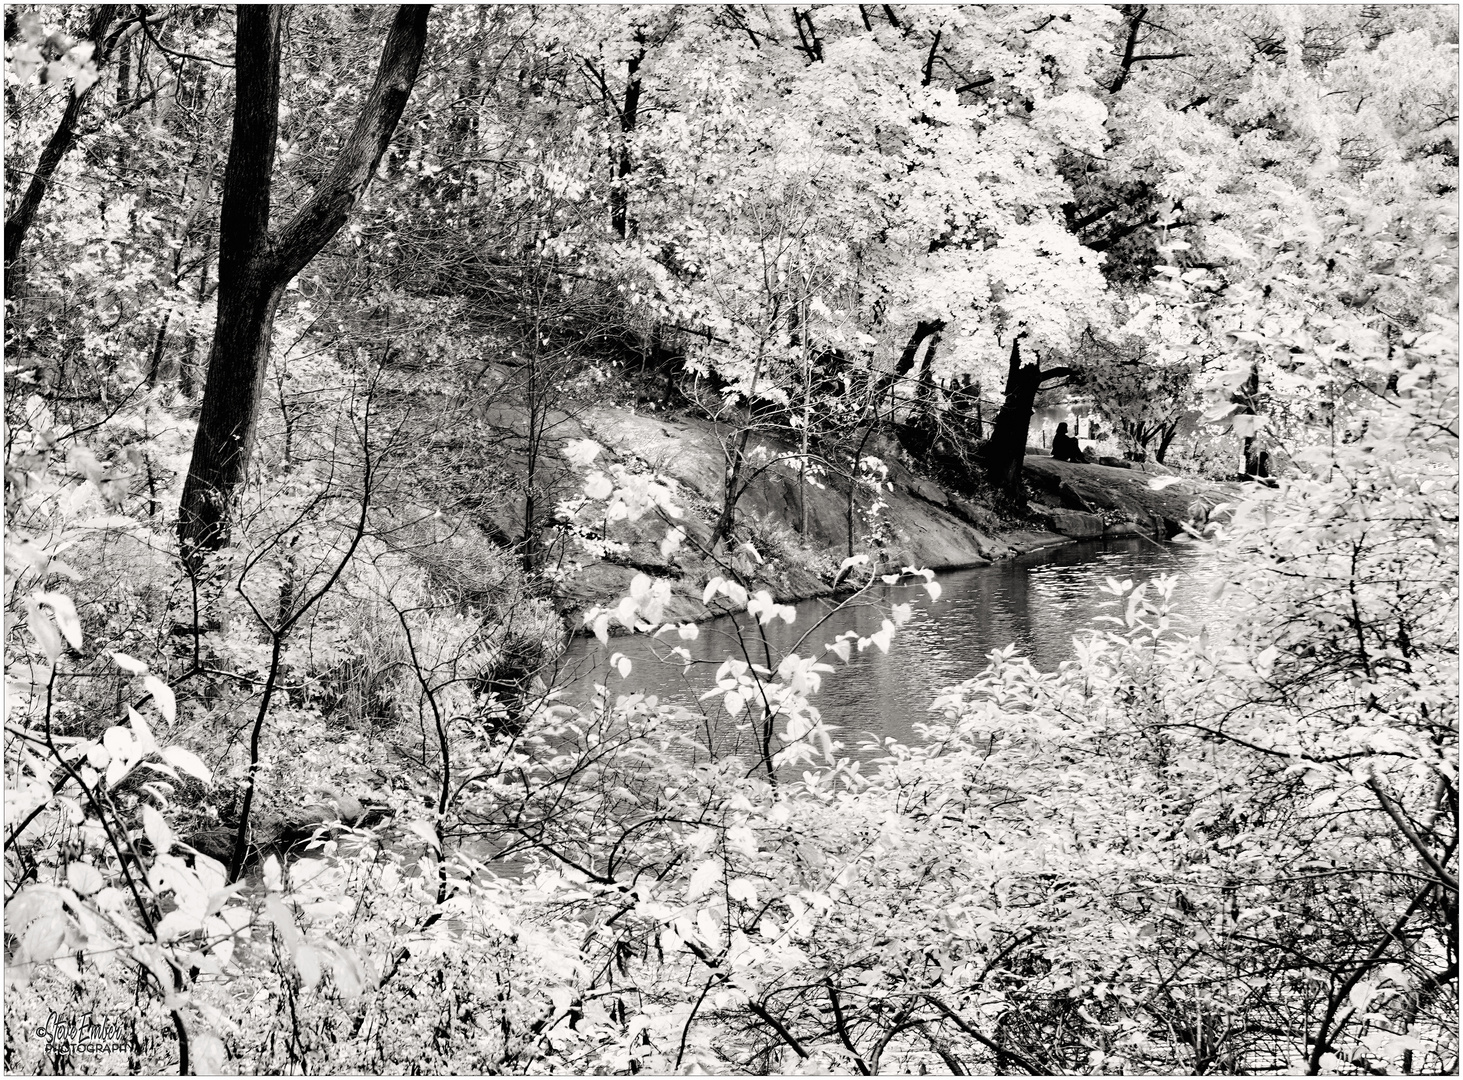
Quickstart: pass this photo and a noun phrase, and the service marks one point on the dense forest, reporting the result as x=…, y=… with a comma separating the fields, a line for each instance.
x=305, y=308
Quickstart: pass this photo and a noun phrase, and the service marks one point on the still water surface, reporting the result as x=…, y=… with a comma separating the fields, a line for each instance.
x=1037, y=601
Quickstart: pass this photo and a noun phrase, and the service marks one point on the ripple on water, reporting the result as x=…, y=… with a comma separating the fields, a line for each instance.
x=1037, y=601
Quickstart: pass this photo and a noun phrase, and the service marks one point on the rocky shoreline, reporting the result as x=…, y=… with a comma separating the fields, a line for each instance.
x=919, y=523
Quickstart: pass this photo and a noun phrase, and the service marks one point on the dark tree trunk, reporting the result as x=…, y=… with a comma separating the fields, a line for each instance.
x=465, y=121
x=924, y=390
x=1006, y=450
x=920, y=433
x=60, y=143
x=1248, y=400
x=537, y=402
x=249, y=289
x=808, y=42
x=736, y=459
x=629, y=114
x=923, y=330
x=1005, y=453
x=254, y=267
x=1166, y=437
x=732, y=488
x=154, y=367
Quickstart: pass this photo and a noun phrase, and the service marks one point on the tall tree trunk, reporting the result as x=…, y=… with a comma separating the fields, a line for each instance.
x=1006, y=449
x=1005, y=453
x=254, y=266
x=60, y=143
x=154, y=367
x=924, y=390
x=732, y=485
x=807, y=351
x=925, y=328
x=248, y=289
x=629, y=114
x=1248, y=399
x=736, y=458
x=1165, y=437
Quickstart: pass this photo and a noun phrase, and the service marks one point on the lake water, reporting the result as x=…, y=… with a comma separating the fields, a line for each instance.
x=1037, y=601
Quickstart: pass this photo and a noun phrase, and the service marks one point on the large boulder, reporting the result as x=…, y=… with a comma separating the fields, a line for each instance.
x=1126, y=497
x=1072, y=523
x=689, y=453
x=921, y=529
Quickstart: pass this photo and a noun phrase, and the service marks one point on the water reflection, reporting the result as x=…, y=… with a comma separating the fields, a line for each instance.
x=1037, y=601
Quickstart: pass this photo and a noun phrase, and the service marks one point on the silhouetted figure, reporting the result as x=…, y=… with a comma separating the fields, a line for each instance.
x=1257, y=469
x=1066, y=448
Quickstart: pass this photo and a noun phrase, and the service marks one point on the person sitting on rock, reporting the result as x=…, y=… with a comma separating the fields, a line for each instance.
x=1066, y=448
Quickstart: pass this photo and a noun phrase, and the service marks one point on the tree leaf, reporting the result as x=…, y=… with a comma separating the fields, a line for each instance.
x=162, y=696
x=350, y=973
x=218, y=899
x=157, y=829
x=43, y=938
x=427, y=834
x=64, y=612
x=743, y=890
x=284, y=923
x=598, y=486
x=128, y=663
x=307, y=963
x=143, y=742
x=703, y=878
x=207, y=1053
x=44, y=631
x=176, y=923
x=188, y=762
x=84, y=878
x=581, y=452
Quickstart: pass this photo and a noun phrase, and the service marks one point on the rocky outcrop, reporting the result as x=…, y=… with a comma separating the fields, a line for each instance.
x=794, y=530
x=1125, y=500
x=1072, y=523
